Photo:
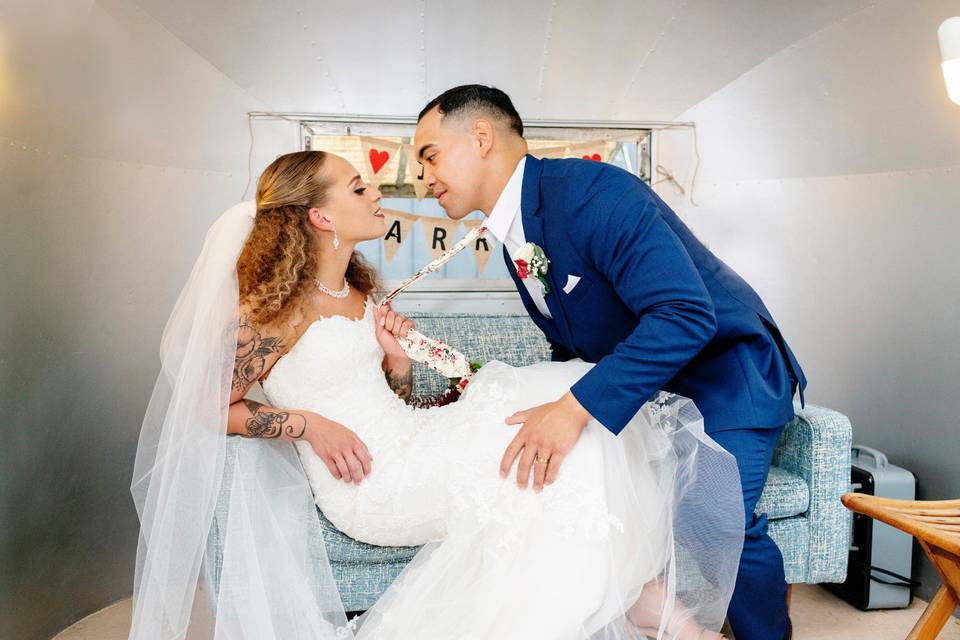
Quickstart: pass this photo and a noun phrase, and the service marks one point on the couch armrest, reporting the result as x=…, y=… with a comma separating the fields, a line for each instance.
x=815, y=446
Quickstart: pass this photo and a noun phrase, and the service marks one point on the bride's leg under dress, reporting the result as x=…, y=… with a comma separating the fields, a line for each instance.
x=514, y=563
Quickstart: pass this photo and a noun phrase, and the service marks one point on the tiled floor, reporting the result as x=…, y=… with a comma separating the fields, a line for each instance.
x=816, y=613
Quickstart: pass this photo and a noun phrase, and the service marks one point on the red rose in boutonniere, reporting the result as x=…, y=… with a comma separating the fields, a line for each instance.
x=523, y=269
x=530, y=260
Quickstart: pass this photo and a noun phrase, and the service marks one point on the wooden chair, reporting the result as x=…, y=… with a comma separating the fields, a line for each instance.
x=936, y=526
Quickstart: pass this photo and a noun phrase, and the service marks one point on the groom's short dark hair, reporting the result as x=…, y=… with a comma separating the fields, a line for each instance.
x=476, y=97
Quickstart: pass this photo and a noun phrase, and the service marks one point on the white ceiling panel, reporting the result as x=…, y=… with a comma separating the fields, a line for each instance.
x=557, y=58
x=496, y=42
x=709, y=44
x=593, y=53
x=178, y=76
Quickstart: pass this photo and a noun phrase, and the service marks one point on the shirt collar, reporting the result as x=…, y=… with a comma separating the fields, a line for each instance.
x=508, y=204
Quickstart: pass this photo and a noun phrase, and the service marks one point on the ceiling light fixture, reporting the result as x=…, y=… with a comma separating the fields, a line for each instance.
x=949, y=36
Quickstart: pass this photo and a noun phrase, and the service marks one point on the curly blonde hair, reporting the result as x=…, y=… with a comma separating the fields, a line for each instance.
x=278, y=261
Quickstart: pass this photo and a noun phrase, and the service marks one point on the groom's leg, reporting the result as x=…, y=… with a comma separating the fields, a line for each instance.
x=758, y=608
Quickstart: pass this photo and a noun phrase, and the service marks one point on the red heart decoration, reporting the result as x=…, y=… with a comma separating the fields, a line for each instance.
x=595, y=157
x=378, y=159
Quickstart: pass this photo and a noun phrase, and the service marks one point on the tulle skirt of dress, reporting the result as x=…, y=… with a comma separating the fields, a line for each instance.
x=655, y=508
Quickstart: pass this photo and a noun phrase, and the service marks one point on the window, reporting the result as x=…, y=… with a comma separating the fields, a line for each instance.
x=383, y=145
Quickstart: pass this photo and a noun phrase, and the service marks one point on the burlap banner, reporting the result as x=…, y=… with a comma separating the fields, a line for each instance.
x=399, y=227
x=551, y=152
x=481, y=247
x=593, y=150
x=440, y=234
x=379, y=156
x=413, y=172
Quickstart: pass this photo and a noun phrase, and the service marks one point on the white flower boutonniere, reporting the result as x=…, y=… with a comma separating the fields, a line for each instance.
x=530, y=260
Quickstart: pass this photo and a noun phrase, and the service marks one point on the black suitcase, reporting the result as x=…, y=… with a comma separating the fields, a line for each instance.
x=880, y=563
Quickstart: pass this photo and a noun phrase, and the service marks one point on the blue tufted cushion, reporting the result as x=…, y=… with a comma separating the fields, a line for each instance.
x=343, y=548
x=362, y=584
x=513, y=339
x=784, y=494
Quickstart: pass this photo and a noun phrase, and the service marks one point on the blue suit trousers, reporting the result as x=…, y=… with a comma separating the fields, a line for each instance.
x=758, y=608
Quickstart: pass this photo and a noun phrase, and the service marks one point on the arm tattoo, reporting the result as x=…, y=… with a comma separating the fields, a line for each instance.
x=252, y=353
x=402, y=384
x=267, y=423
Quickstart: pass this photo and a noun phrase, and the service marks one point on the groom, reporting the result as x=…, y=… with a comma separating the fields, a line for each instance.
x=630, y=288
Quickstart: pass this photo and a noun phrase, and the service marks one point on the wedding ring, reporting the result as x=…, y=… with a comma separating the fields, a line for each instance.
x=537, y=458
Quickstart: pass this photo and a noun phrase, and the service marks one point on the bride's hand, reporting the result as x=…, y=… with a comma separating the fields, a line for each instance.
x=344, y=453
x=391, y=324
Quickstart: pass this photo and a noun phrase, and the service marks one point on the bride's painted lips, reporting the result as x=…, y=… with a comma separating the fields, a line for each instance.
x=378, y=213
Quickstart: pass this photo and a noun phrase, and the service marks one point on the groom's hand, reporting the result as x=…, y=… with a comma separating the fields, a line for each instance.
x=548, y=434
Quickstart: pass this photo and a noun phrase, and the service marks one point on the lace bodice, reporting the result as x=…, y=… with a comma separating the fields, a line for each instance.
x=334, y=369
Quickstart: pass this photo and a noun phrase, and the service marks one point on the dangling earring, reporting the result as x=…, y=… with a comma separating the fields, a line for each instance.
x=336, y=238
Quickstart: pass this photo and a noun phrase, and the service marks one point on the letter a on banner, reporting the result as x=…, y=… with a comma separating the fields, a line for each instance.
x=399, y=226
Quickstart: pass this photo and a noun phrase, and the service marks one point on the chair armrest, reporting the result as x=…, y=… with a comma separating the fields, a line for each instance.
x=815, y=446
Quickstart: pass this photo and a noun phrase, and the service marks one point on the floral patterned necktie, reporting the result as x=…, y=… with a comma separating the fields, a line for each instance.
x=431, y=352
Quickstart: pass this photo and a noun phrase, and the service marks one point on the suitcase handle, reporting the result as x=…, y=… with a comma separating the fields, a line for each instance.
x=878, y=456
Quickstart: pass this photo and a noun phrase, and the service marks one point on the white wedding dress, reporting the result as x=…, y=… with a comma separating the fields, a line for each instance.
x=505, y=563
x=659, y=499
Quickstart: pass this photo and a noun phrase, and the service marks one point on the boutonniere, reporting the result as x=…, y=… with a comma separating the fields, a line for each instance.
x=530, y=260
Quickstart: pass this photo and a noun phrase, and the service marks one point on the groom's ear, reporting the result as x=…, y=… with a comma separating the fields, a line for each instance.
x=483, y=135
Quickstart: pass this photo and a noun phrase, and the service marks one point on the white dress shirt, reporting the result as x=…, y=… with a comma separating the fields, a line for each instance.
x=506, y=224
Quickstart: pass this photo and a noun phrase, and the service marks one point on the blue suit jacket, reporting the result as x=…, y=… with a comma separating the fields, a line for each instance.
x=654, y=308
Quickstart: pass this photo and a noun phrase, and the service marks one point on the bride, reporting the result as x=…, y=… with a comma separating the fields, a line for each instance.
x=279, y=296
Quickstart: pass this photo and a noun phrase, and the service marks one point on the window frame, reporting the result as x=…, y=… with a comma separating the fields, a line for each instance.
x=492, y=294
